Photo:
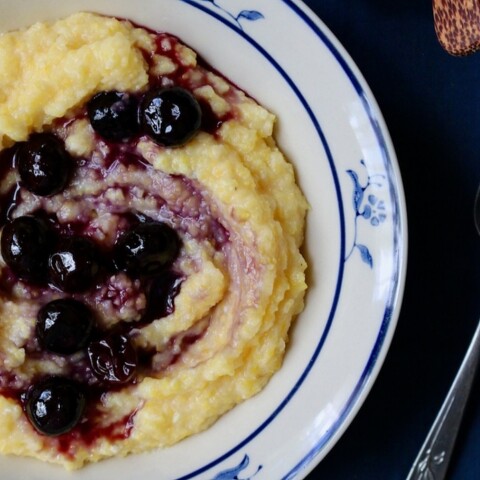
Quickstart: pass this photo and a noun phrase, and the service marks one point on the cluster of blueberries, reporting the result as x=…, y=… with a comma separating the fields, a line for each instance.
x=169, y=116
x=36, y=252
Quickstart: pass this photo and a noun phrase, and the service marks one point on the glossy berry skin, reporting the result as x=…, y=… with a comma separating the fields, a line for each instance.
x=161, y=295
x=146, y=249
x=25, y=246
x=74, y=264
x=113, y=359
x=64, y=326
x=113, y=115
x=43, y=164
x=55, y=405
x=170, y=116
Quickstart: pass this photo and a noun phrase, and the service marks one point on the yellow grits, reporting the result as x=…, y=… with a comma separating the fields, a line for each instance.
x=242, y=297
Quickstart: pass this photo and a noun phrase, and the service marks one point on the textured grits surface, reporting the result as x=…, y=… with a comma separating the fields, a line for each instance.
x=230, y=195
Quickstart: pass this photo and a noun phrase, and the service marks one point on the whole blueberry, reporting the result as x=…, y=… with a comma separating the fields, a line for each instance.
x=161, y=295
x=55, y=405
x=113, y=359
x=64, y=326
x=74, y=264
x=113, y=115
x=170, y=116
x=25, y=245
x=146, y=249
x=43, y=164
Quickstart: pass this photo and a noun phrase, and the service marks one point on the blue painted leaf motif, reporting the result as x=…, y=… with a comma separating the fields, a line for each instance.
x=232, y=473
x=250, y=15
x=357, y=190
x=365, y=254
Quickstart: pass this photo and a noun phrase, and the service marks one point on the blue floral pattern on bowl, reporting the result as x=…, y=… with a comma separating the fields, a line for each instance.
x=233, y=473
x=367, y=206
x=235, y=18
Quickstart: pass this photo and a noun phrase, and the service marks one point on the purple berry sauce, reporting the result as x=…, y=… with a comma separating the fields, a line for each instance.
x=107, y=361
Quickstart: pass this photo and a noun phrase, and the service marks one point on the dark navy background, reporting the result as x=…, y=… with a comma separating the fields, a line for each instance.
x=431, y=104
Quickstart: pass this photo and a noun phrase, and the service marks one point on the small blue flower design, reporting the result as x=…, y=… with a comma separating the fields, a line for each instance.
x=233, y=473
x=250, y=15
x=374, y=211
x=366, y=206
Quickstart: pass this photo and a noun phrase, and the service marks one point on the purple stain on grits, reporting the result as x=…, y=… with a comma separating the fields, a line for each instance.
x=107, y=359
x=175, y=199
x=91, y=429
x=122, y=154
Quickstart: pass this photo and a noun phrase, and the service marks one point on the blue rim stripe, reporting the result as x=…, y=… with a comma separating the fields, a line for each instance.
x=307, y=459
x=398, y=248
x=342, y=243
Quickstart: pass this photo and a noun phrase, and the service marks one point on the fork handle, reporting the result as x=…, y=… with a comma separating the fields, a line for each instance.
x=434, y=456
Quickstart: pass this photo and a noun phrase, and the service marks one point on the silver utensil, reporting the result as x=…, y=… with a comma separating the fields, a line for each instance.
x=434, y=456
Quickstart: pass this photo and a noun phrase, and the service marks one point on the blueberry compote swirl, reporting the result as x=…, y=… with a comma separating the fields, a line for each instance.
x=150, y=264
x=93, y=247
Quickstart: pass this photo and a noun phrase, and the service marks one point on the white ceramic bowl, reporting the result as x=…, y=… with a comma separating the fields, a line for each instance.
x=331, y=129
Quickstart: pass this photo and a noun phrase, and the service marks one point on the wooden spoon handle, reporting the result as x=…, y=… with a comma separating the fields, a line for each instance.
x=457, y=24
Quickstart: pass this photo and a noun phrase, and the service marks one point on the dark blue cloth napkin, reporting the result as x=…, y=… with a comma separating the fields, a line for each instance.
x=431, y=104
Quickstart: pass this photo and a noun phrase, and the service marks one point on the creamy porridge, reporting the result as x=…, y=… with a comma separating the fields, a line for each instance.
x=150, y=265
